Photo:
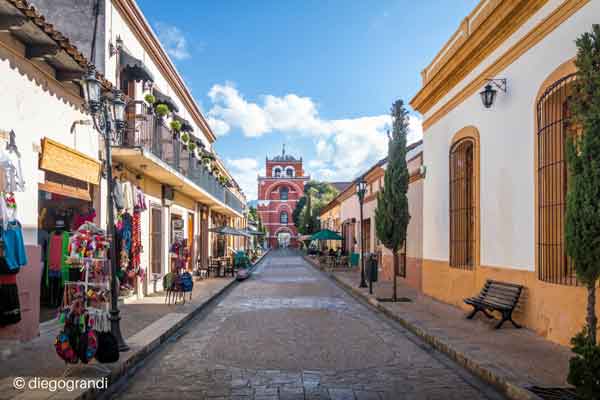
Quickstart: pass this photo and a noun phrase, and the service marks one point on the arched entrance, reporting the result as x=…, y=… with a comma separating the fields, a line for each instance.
x=283, y=239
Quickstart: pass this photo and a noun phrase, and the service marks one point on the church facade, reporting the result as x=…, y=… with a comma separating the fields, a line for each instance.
x=278, y=193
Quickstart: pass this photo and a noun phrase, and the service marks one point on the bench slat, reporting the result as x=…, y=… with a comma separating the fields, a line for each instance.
x=501, y=295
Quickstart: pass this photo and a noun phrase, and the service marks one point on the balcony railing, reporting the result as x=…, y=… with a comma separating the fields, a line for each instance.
x=145, y=130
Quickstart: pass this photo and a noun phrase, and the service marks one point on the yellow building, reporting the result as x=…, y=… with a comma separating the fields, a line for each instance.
x=494, y=194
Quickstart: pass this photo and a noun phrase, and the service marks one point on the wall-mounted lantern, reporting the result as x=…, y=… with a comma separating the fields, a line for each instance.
x=488, y=95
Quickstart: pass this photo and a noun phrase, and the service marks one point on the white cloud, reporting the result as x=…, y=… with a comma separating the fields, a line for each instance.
x=245, y=171
x=345, y=147
x=219, y=127
x=173, y=41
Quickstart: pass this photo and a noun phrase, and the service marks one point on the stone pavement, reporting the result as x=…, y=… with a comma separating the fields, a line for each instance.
x=290, y=333
x=511, y=358
x=144, y=324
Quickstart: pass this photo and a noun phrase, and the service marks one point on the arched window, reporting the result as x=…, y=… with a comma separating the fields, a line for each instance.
x=283, y=218
x=462, y=205
x=289, y=172
x=552, y=180
x=277, y=172
x=283, y=193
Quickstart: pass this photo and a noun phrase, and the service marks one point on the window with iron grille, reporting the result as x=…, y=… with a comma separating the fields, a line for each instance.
x=554, y=130
x=462, y=205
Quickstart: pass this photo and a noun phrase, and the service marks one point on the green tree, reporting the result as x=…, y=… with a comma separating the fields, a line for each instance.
x=392, y=215
x=582, y=225
x=297, y=213
x=316, y=196
x=582, y=228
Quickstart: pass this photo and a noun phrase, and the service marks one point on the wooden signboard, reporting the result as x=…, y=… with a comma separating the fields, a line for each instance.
x=63, y=160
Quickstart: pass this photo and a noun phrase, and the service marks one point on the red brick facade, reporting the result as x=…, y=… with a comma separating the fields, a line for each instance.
x=284, y=176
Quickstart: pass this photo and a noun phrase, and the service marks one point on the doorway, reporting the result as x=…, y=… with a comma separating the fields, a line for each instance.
x=156, y=243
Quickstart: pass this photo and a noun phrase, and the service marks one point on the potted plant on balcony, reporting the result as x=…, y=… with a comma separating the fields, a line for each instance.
x=185, y=140
x=150, y=99
x=175, y=127
x=161, y=110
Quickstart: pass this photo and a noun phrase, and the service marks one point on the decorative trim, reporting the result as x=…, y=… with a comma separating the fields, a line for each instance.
x=471, y=133
x=142, y=30
x=478, y=41
x=543, y=29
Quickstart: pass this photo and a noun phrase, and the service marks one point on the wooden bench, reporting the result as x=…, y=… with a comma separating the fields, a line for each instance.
x=496, y=296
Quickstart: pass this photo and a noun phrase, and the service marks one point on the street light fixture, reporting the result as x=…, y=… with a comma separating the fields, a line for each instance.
x=361, y=189
x=108, y=114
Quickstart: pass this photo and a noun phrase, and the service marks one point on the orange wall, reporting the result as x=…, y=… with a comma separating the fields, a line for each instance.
x=556, y=312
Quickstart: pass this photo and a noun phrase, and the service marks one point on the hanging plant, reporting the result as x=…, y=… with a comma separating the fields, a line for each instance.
x=198, y=155
x=161, y=110
x=191, y=146
x=176, y=125
x=150, y=99
x=185, y=138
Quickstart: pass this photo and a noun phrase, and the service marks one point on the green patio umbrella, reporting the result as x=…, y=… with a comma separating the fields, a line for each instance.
x=326, y=234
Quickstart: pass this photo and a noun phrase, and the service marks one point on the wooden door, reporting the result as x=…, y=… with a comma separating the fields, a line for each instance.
x=191, y=241
x=156, y=240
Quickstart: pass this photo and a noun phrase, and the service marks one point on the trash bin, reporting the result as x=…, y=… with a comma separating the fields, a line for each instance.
x=372, y=267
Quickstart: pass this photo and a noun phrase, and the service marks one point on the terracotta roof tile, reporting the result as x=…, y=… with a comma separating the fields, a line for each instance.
x=63, y=42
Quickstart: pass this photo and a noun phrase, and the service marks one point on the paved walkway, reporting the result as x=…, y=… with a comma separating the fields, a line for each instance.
x=291, y=333
x=517, y=356
x=38, y=357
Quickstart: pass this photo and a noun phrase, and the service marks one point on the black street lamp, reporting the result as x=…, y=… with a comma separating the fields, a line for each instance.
x=361, y=189
x=108, y=114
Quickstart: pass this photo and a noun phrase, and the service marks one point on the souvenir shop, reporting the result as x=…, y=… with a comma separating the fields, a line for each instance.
x=13, y=254
x=130, y=203
x=67, y=200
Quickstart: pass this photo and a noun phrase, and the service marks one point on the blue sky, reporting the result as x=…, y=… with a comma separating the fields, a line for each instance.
x=319, y=76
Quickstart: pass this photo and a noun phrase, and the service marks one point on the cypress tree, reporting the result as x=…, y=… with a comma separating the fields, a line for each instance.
x=392, y=215
x=582, y=227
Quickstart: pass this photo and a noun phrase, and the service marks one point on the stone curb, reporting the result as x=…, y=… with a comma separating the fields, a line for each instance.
x=511, y=389
x=130, y=366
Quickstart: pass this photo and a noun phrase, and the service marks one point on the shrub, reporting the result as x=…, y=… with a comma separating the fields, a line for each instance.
x=584, y=367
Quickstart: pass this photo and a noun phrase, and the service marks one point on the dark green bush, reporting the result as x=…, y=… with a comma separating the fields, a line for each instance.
x=584, y=367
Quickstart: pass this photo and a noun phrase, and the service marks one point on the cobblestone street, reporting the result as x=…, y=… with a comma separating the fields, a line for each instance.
x=291, y=333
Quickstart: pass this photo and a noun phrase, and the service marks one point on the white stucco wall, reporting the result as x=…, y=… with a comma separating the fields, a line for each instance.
x=34, y=110
x=117, y=27
x=506, y=145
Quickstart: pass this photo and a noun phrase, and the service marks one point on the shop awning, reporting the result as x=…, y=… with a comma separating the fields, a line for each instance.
x=253, y=232
x=162, y=98
x=133, y=69
x=186, y=126
x=227, y=230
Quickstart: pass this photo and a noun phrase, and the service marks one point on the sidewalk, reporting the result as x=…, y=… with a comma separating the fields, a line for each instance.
x=511, y=359
x=145, y=324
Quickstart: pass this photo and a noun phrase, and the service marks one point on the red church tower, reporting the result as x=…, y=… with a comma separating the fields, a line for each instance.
x=278, y=194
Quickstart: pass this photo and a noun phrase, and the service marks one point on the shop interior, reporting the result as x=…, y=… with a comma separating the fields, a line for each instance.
x=59, y=215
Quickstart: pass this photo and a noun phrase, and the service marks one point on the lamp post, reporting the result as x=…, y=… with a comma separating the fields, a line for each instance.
x=108, y=114
x=361, y=188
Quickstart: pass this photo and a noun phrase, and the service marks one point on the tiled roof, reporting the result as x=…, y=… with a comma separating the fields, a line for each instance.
x=34, y=16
